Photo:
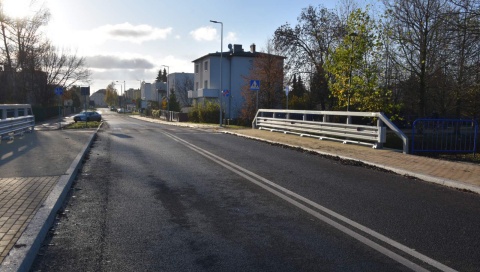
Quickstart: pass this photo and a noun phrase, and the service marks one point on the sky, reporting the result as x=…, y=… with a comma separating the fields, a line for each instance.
x=127, y=42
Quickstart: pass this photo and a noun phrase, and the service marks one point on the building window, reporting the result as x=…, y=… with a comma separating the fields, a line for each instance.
x=196, y=68
x=196, y=86
x=205, y=66
x=205, y=84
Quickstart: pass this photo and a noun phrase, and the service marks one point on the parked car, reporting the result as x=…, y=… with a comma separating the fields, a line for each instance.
x=87, y=116
x=122, y=110
x=112, y=108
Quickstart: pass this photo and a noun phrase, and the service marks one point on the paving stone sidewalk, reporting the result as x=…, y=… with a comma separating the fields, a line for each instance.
x=19, y=200
x=34, y=172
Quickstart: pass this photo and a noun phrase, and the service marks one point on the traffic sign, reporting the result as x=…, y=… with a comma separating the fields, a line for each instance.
x=255, y=85
x=226, y=92
x=59, y=91
x=85, y=90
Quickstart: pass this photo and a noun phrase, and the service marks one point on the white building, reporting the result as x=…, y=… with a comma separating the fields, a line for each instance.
x=99, y=98
x=236, y=65
x=146, y=91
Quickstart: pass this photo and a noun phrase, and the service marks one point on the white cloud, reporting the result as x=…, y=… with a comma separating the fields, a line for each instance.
x=204, y=33
x=132, y=33
x=231, y=37
x=115, y=62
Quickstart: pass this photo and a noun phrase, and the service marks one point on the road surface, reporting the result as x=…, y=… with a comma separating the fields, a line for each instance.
x=155, y=197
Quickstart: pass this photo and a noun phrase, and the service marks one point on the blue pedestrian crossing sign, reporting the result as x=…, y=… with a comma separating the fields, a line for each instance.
x=59, y=91
x=255, y=85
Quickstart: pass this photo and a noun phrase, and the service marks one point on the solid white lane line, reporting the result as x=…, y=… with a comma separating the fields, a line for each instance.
x=262, y=182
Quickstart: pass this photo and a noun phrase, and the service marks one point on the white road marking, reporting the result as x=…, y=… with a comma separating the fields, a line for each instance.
x=295, y=199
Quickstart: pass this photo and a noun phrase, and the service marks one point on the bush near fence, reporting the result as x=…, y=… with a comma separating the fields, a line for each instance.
x=44, y=113
x=208, y=113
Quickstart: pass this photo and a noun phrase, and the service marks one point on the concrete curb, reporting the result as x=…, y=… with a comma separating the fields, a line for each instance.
x=22, y=257
x=432, y=179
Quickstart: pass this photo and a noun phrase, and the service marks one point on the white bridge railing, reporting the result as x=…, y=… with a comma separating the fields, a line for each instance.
x=15, y=119
x=330, y=125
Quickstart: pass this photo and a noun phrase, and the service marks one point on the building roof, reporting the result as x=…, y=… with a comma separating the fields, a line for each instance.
x=237, y=51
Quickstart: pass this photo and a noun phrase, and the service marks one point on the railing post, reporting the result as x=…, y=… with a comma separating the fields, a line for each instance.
x=304, y=117
x=380, y=132
x=349, y=120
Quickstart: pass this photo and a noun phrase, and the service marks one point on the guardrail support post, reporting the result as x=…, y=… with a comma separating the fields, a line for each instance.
x=381, y=132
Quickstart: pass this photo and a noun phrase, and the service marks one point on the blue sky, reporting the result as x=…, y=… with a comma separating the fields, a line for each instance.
x=131, y=40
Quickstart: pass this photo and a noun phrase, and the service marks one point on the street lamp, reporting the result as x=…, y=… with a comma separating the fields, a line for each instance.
x=352, y=38
x=168, y=93
x=122, y=93
x=221, y=55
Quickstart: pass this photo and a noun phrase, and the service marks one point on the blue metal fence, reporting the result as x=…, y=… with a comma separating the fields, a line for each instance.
x=444, y=136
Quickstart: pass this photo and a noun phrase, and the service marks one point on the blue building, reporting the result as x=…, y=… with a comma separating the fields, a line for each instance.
x=236, y=65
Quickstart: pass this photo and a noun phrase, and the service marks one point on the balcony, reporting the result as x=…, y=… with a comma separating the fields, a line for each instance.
x=203, y=93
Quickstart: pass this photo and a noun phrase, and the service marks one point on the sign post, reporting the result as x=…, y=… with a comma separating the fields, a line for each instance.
x=255, y=86
x=85, y=91
x=59, y=93
x=286, y=92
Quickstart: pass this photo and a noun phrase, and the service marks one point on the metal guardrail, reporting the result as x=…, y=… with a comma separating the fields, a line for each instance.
x=444, y=136
x=15, y=119
x=326, y=125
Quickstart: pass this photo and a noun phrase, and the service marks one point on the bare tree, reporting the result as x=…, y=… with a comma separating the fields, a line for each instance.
x=308, y=44
x=183, y=84
x=416, y=30
x=268, y=68
x=64, y=69
x=32, y=66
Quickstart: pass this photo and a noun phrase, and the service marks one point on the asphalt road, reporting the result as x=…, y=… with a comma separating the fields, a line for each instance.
x=161, y=198
x=15, y=156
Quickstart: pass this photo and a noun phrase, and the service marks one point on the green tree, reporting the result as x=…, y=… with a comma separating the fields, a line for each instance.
x=111, y=96
x=162, y=76
x=298, y=88
x=354, y=70
x=174, y=105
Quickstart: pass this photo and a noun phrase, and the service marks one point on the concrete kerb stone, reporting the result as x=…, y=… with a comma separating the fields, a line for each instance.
x=441, y=181
x=22, y=256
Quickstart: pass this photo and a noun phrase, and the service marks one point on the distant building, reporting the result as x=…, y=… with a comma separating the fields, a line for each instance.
x=98, y=98
x=236, y=65
x=146, y=91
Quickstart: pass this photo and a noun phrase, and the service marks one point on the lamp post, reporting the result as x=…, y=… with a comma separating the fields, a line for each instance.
x=168, y=93
x=221, y=55
x=122, y=94
x=352, y=38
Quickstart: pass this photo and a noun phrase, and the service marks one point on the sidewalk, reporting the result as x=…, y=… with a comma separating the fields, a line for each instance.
x=36, y=172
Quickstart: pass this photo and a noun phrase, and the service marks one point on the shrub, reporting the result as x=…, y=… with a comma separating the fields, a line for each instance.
x=207, y=113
